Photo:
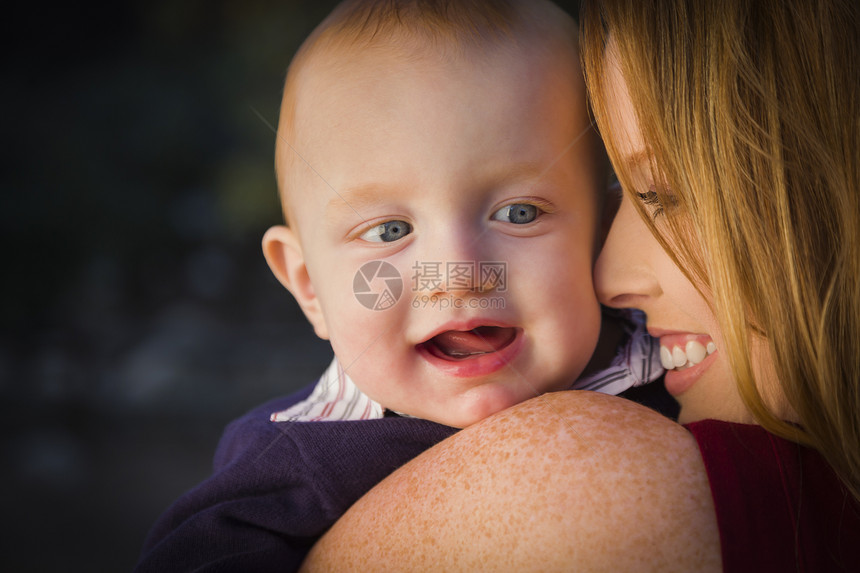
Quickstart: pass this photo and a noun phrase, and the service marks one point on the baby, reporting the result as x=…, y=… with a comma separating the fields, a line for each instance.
x=443, y=189
x=452, y=152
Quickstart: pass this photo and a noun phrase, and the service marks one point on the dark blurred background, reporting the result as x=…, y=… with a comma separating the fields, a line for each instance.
x=138, y=314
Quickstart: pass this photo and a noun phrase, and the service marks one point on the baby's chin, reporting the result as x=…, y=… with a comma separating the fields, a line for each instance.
x=481, y=402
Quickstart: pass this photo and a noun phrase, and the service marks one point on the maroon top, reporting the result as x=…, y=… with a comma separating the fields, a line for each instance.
x=779, y=505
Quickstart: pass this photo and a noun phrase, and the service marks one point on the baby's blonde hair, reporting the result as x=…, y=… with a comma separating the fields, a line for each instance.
x=420, y=30
x=750, y=111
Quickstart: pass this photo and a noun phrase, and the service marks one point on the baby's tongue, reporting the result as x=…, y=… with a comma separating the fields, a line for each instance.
x=480, y=340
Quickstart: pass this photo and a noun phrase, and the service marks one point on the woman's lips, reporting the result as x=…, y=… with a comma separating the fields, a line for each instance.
x=475, y=352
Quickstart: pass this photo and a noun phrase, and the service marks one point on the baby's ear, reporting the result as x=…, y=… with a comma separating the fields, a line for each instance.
x=284, y=254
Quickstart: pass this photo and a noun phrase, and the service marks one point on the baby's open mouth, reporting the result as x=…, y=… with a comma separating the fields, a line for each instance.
x=465, y=344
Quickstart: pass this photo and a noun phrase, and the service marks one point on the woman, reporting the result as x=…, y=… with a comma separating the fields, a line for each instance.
x=733, y=127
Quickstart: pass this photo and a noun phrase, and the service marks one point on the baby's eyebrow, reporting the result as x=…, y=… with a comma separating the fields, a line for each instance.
x=356, y=199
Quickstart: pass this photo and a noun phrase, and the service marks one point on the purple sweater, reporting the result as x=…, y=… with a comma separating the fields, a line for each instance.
x=277, y=487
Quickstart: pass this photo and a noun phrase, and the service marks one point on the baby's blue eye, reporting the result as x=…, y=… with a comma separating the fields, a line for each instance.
x=387, y=232
x=518, y=213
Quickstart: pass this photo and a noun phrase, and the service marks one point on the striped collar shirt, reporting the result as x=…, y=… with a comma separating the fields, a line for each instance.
x=336, y=397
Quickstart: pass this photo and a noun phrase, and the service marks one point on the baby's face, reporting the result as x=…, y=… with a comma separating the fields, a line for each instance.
x=472, y=187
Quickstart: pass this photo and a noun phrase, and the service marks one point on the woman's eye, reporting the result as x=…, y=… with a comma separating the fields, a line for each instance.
x=387, y=232
x=652, y=200
x=518, y=213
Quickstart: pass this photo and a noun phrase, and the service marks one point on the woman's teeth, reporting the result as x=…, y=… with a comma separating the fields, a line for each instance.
x=693, y=353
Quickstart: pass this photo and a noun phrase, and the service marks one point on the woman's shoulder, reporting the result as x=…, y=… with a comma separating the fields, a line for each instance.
x=568, y=480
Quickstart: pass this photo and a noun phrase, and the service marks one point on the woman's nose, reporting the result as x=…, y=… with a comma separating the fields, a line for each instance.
x=623, y=277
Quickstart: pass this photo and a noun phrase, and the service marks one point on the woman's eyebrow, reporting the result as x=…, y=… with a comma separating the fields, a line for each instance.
x=640, y=164
x=637, y=158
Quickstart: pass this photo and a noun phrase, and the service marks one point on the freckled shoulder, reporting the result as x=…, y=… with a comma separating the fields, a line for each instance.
x=566, y=481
